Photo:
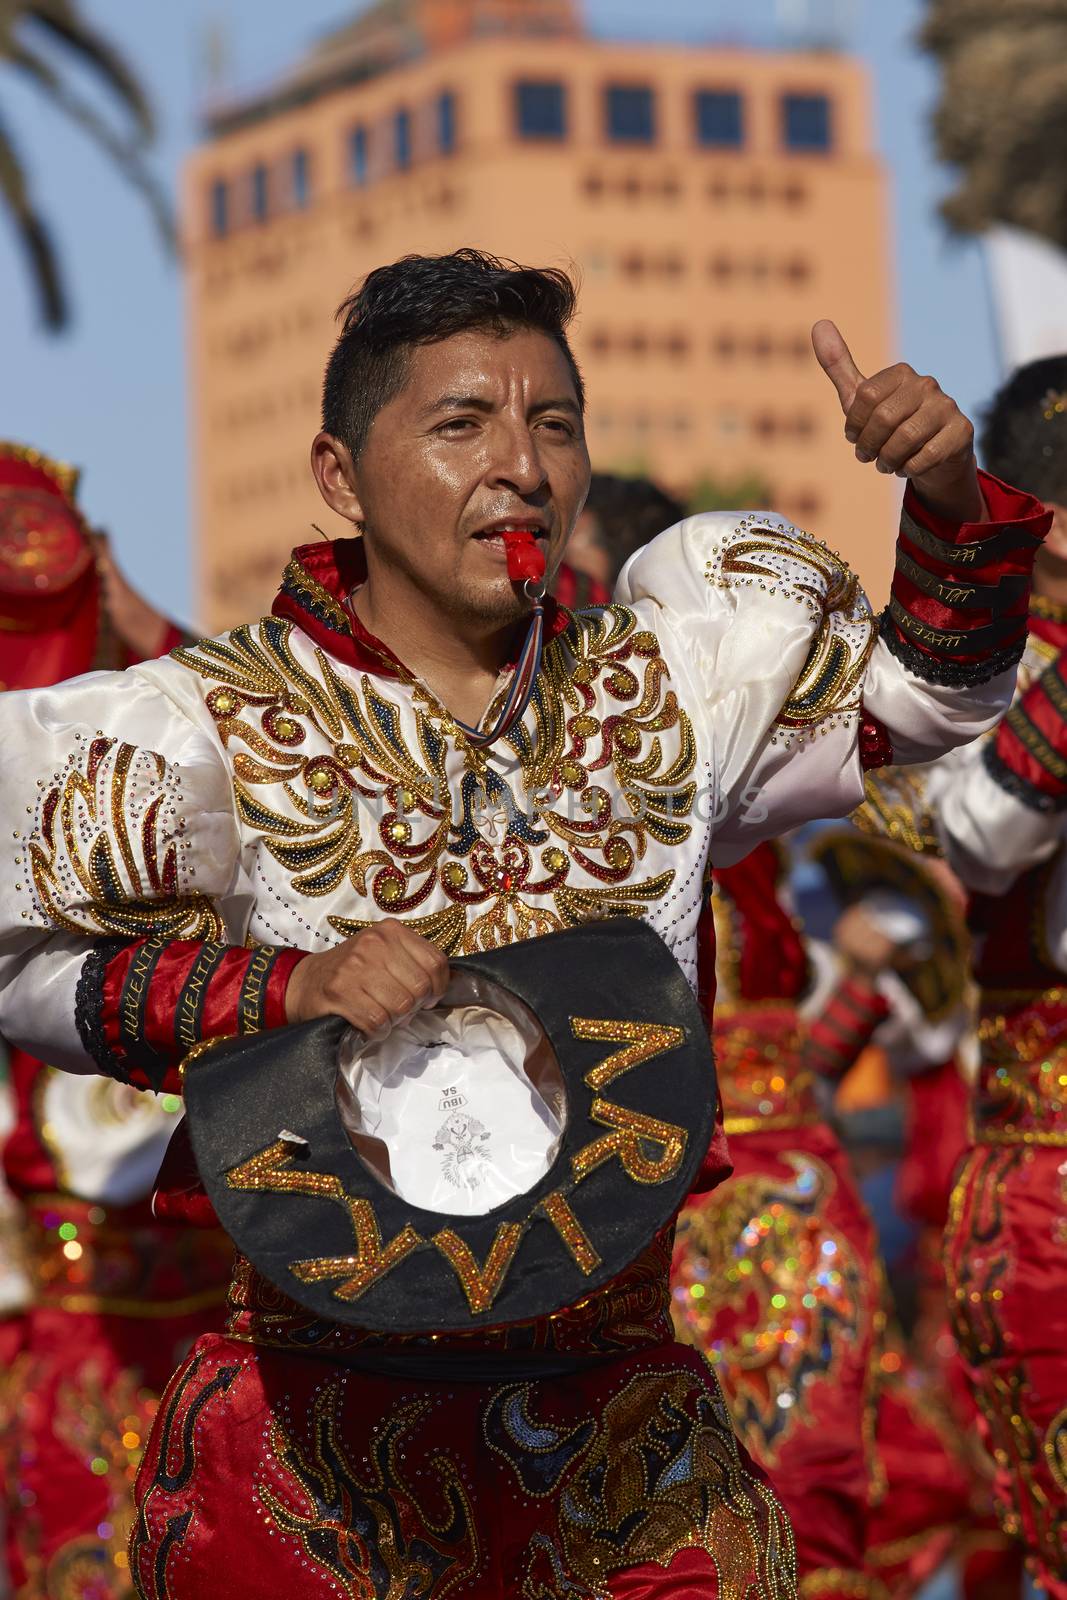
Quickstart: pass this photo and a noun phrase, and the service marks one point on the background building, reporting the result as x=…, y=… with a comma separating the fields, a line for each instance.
x=716, y=201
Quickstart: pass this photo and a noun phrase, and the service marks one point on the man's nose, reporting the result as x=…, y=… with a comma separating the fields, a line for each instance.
x=517, y=463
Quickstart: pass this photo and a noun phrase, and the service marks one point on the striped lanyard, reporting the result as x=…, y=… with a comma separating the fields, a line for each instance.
x=522, y=684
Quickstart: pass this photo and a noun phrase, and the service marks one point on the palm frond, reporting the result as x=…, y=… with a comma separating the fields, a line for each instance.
x=33, y=236
x=63, y=20
x=122, y=152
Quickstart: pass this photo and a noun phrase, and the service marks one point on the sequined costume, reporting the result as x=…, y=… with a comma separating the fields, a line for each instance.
x=777, y=1273
x=202, y=822
x=110, y=1298
x=1000, y=808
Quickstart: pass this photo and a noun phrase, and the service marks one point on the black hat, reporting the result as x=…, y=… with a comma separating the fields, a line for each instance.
x=313, y=1217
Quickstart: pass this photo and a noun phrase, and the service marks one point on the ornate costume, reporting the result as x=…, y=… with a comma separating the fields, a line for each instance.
x=200, y=823
x=1000, y=807
x=777, y=1274
x=111, y=1298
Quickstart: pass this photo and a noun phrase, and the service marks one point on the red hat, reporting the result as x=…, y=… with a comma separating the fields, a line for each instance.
x=48, y=584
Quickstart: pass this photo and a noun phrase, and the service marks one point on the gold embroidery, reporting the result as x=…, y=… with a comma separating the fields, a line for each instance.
x=652, y=1470
x=369, y=1264
x=788, y=561
x=370, y=1525
x=81, y=821
x=646, y=1039
x=632, y=1130
x=557, y=1209
x=481, y=1283
x=426, y=833
x=269, y=1169
x=773, y=1290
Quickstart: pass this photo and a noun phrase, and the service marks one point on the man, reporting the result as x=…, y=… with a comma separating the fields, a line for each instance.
x=1000, y=808
x=307, y=817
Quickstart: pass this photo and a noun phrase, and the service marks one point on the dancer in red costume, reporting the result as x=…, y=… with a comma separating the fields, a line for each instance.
x=777, y=1275
x=113, y=1299
x=416, y=756
x=773, y=1272
x=1000, y=808
x=906, y=918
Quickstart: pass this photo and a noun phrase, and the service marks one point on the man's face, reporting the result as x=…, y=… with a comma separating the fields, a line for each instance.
x=486, y=434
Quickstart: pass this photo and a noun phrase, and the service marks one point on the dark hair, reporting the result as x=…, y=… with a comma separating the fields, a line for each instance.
x=422, y=300
x=1024, y=437
x=629, y=512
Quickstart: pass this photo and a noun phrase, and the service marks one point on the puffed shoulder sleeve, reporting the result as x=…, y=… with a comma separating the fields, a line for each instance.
x=1001, y=804
x=118, y=818
x=795, y=688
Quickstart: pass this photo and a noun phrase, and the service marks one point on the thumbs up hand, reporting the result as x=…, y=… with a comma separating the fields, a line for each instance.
x=908, y=426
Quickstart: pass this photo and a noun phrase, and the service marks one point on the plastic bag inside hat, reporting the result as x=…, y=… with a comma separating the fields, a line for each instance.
x=459, y=1108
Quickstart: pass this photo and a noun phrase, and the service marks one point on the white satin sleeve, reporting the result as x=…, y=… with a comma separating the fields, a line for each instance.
x=117, y=819
x=988, y=835
x=776, y=652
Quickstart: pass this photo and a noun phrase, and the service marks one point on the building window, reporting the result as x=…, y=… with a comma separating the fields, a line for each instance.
x=719, y=119
x=301, y=179
x=806, y=122
x=541, y=109
x=446, y=122
x=357, y=156
x=630, y=112
x=260, y=192
x=220, y=208
x=402, y=139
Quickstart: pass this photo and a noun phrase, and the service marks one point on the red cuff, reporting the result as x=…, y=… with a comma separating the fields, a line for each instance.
x=1004, y=504
x=1028, y=754
x=836, y=1039
x=960, y=596
x=876, y=744
x=157, y=998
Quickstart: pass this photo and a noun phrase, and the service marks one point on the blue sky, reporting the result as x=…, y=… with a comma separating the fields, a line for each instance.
x=111, y=394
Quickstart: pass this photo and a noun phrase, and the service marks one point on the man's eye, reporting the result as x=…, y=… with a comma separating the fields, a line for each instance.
x=457, y=425
x=557, y=425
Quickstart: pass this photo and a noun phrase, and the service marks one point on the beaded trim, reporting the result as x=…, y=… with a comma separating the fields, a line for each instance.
x=1019, y=787
x=948, y=674
x=89, y=1007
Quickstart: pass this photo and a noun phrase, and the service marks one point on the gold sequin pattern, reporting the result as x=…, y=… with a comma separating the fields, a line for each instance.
x=601, y=704
x=107, y=848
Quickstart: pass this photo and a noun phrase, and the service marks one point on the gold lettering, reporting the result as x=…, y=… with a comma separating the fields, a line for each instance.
x=557, y=1209
x=632, y=1129
x=369, y=1263
x=481, y=1283
x=640, y=1040
x=270, y=1170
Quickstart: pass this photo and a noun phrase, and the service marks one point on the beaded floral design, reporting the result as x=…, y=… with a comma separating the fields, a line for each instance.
x=349, y=788
x=782, y=560
x=106, y=852
x=765, y=1238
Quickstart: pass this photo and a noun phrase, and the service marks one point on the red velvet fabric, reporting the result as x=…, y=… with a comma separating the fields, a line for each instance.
x=936, y=1140
x=1038, y=713
x=844, y=1027
x=220, y=1015
x=336, y=568
x=800, y=1404
x=87, y=1362
x=772, y=960
x=303, y=1482
x=1004, y=1258
x=876, y=745
x=953, y=608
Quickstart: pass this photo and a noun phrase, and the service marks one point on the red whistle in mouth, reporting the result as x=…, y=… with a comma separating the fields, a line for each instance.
x=526, y=559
